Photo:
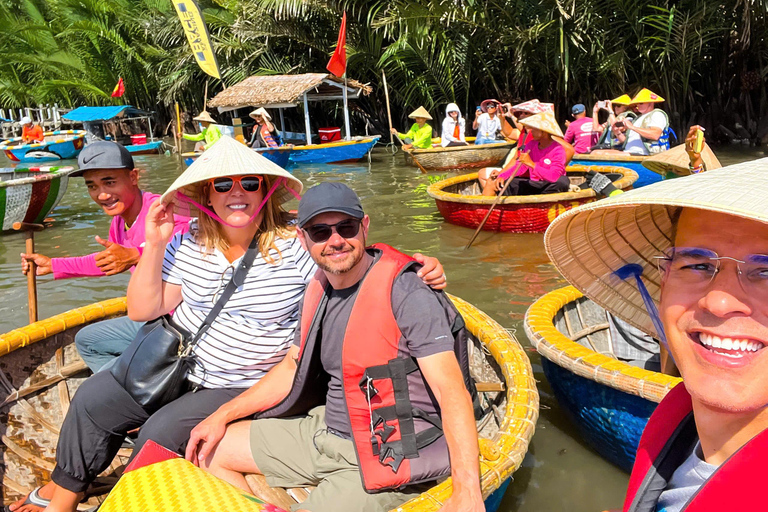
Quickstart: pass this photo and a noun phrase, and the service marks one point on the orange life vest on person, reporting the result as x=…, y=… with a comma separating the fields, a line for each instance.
x=266, y=136
x=396, y=442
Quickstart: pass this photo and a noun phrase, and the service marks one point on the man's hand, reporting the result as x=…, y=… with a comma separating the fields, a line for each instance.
x=628, y=124
x=115, y=258
x=393, y=131
x=204, y=438
x=498, y=184
x=42, y=264
x=431, y=271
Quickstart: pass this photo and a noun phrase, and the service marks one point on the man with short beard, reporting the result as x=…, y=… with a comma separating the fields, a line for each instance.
x=377, y=405
x=696, y=248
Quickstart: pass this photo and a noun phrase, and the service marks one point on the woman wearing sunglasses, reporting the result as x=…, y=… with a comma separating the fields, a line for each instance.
x=237, y=196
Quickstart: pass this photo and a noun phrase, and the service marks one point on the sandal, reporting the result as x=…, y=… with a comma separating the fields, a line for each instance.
x=33, y=498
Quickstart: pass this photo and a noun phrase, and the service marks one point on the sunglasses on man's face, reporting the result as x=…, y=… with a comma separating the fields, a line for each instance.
x=248, y=183
x=348, y=228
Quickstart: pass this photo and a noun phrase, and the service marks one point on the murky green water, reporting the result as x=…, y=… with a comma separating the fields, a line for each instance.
x=501, y=274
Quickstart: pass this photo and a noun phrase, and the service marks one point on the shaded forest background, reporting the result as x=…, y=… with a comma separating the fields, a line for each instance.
x=709, y=59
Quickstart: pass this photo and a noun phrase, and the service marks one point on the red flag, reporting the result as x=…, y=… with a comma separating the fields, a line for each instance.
x=338, y=63
x=119, y=89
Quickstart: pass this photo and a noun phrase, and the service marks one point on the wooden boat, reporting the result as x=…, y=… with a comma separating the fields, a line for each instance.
x=150, y=148
x=460, y=202
x=459, y=158
x=342, y=151
x=93, y=119
x=40, y=370
x=280, y=155
x=29, y=195
x=608, y=400
x=58, y=145
x=633, y=162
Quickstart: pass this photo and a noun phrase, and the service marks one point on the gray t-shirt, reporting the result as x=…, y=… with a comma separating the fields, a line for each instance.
x=685, y=481
x=422, y=322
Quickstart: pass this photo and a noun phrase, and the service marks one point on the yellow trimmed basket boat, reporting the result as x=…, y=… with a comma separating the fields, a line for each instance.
x=460, y=201
x=608, y=400
x=459, y=158
x=40, y=370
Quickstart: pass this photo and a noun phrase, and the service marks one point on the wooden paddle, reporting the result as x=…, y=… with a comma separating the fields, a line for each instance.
x=29, y=235
x=389, y=113
x=415, y=160
x=178, y=130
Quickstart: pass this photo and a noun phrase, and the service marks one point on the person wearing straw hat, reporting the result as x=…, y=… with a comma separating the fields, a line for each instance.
x=238, y=195
x=264, y=132
x=30, y=131
x=487, y=124
x=209, y=132
x=618, y=109
x=540, y=167
x=420, y=134
x=686, y=261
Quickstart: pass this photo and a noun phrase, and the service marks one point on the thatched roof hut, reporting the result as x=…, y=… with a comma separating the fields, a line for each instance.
x=281, y=91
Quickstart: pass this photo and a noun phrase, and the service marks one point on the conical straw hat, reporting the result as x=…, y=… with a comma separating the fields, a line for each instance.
x=227, y=157
x=261, y=111
x=544, y=121
x=204, y=117
x=420, y=112
x=533, y=107
x=590, y=243
x=647, y=96
x=676, y=161
x=624, y=99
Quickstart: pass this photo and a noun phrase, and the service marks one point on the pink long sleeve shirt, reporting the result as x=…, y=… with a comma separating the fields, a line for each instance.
x=133, y=237
x=549, y=163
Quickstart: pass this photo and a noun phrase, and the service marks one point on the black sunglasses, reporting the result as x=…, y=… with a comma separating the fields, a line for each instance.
x=348, y=228
x=248, y=183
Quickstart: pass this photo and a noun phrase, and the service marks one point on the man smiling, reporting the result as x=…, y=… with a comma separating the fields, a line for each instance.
x=698, y=248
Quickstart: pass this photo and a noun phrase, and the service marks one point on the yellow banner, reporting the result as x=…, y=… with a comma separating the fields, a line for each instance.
x=197, y=34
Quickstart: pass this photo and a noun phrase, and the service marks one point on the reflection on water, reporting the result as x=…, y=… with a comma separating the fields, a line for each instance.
x=501, y=274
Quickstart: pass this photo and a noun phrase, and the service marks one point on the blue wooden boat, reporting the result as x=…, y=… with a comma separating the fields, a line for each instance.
x=334, y=152
x=150, y=148
x=609, y=401
x=280, y=155
x=93, y=119
x=634, y=162
x=58, y=145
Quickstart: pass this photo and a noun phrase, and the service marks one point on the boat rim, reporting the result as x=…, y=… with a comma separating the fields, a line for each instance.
x=452, y=149
x=69, y=135
x=618, y=157
x=37, y=178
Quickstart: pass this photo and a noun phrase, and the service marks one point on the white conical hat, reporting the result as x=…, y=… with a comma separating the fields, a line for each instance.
x=676, y=160
x=545, y=121
x=204, y=116
x=227, y=157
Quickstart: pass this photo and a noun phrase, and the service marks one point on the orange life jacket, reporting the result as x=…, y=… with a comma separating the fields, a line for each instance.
x=266, y=135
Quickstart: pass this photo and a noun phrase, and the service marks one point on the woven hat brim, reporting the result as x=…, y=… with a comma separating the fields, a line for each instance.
x=204, y=116
x=676, y=161
x=544, y=121
x=589, y=243
x=624, y=99
x=420, y=112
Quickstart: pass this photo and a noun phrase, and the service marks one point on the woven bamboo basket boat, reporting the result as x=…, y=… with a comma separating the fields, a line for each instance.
x=459, y=158
x=608, y=400
x=460, y=202
x=634, y=162
x=40, y=370
x=29, y=195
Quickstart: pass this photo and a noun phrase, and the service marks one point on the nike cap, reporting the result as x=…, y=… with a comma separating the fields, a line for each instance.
x=103, y=155
x=329, y=197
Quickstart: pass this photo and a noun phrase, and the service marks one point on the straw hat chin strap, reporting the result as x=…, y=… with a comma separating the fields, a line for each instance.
x=213, y=215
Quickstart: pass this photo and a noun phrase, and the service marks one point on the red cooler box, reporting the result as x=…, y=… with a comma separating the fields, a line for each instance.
x=139, y=139
x=329, y=134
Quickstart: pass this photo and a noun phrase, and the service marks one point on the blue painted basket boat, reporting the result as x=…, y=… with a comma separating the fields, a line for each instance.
x=634, y=162
x=608, y=400
x=280, y=156
x=334, y=152
x=58, y=145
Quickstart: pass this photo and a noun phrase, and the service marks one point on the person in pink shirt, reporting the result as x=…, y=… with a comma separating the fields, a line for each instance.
x=112, y=183
x=579, y=132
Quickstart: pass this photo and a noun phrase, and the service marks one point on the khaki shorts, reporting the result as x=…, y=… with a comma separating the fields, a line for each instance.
x=299, y=452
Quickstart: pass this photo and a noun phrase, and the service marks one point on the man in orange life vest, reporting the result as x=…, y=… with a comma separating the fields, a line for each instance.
x=363, y=386
x=705, y=446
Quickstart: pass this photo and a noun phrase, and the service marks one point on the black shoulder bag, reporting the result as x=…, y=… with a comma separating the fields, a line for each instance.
x=154, y=366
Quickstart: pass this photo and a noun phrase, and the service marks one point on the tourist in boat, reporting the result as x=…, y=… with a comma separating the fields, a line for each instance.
x=184, y=273
x=487, y=123
x=648, y=133
x=540, y=167
x=453, y=127
x=326, y=441
x=618, y=109
x=696, y=248
x=265, y=134
x=209, y=132
x=112, y=182
x=579, y=132
x=420, y=134
x=31, y=132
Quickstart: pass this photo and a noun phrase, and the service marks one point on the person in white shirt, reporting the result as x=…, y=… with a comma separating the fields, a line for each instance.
x=487, y=124
x=453, y=127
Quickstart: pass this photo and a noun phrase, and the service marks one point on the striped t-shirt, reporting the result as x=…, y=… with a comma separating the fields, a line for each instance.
x=256, y=326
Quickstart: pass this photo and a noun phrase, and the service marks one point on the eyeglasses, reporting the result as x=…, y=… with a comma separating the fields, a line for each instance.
x=248, y=183
x=225, y=277
x=695, y=268
x=347, y=228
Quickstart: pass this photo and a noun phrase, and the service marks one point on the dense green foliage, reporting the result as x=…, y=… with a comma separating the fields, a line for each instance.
x=708, y=58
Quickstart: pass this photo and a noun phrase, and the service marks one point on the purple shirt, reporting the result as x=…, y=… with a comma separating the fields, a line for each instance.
x=133, y=237
x=580, y=131
x=549, y=163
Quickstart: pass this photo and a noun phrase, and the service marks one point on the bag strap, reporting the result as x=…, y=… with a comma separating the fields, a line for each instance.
x=238, y=278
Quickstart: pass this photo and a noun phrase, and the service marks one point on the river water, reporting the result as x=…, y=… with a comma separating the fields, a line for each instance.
x=502, y=274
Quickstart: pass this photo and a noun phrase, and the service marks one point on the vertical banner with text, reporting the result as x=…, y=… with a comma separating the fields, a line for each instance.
x=197, y=34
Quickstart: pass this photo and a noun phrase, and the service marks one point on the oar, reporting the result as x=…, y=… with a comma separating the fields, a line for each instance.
x=423, y=170
x=389, y=113
x=29, y=235
x=178, y=130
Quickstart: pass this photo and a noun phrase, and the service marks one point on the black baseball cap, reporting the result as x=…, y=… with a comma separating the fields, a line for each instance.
x=329, y=197
x=103, y=155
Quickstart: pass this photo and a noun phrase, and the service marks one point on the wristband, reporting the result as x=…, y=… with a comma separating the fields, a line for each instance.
x=697, y=169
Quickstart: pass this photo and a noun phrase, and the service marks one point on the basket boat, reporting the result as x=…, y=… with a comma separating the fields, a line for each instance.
x=608, y=400
x=633, y=162
x=29, y=195
x=459, y=158
x=460, y=202
x=40, y=370
x=58, y=145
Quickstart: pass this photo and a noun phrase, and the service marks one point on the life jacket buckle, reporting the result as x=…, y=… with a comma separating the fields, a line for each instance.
x=368, y=389
x=375, y=445
x=390, y=453
x=385, y=432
